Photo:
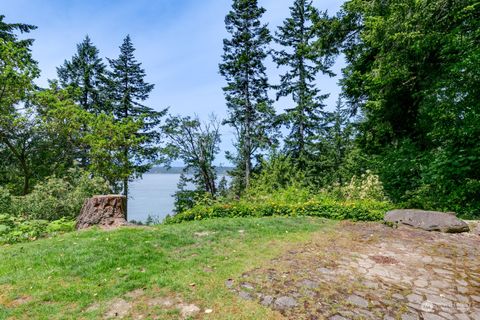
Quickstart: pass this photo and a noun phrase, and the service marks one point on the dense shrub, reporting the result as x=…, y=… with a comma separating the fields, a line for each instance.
x=367, y=186
x=17, y=229
x=56, y=198
x=5, y=201
x=358, y=210
x=362, y=199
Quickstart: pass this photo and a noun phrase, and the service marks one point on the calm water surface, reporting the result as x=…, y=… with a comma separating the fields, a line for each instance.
x=152, y=195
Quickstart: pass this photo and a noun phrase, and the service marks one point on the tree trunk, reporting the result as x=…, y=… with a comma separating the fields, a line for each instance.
x=26, y=184
x=107, y=211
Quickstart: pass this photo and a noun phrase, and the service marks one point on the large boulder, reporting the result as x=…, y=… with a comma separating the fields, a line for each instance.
x=108, y=211
x=427, y=220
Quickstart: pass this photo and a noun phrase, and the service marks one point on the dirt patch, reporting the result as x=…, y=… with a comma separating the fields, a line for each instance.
x=20, y=301
x=9, y=300
x=147, y=304
x=118, y=309
x=135, y=294
x=371, y=271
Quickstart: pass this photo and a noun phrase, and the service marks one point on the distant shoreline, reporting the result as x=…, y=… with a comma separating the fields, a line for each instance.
x=179, y=170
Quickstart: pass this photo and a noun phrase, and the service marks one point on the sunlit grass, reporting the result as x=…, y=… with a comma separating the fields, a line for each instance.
x=60, y=278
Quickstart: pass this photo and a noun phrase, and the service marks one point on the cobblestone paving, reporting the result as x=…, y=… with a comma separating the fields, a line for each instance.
x=371, y=271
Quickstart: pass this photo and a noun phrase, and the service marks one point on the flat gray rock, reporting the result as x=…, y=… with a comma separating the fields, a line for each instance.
x=427, y=220
x=285, y=303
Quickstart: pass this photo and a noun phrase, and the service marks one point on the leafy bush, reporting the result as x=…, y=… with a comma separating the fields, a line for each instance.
x=17, y=229
x=368, y=186
x=277, y=173
x=5, y=201
x=56, y=198
x=359, y=210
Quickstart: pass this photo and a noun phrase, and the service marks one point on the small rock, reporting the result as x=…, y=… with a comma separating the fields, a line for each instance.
x=188, y=310
x=285, y=303
x=247, y=286
x=358, y=301
x=324, y=270
x=267, y=300
x=431, y=316
x=207, y=311
x=229, y=283
x=309, y=284
x=409, y=316
x=415, y=298
x=245, y=295
x=420, y=283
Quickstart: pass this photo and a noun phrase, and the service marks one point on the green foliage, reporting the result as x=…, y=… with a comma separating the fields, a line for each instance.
x=367, y=186
x=86, y=72
x=278, y=172
x=19, y=141
x=187, y=199
x=196, y=144
x=5, y=201
x=17, y=229
x=57, y=198
x=7, y=32
x=412, y=71
x=250, y=111
x=127, y=91
x=305, y=118
x=366, y=210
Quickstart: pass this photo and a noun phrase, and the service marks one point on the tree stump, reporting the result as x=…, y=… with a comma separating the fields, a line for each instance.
x=106, y=211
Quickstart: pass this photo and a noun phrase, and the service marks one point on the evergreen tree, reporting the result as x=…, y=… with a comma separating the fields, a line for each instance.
x=7, y=32
x=333, y=147
x=85, y=72
x=303, y=61
x=127, y=90
x=250, y=111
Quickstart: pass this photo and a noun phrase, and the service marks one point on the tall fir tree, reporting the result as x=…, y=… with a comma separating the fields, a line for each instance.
x=86, y=72
x=329, y=166
x=250, y=111
x=127, y=91
x=303, y=62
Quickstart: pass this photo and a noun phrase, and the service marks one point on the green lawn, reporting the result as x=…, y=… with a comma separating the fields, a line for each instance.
x=77, y=275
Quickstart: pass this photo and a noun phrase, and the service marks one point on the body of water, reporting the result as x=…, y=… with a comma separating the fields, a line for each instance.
x=152, y=195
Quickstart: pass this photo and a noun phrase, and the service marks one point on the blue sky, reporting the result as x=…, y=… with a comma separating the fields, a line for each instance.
x=179, y=43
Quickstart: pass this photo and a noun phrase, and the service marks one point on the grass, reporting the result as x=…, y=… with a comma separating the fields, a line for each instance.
x=77, y=275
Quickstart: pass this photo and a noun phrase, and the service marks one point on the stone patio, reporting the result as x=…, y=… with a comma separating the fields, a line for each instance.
x=372, y=271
